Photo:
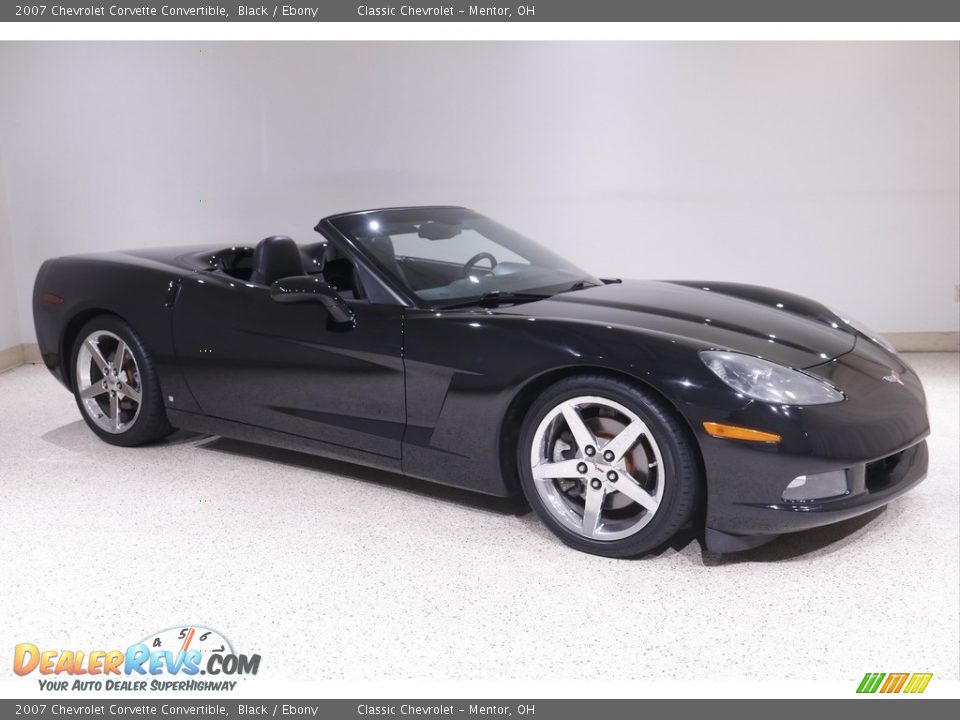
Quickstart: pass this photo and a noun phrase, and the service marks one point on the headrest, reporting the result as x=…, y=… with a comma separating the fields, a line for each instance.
x=274, y=258
x=382, y=248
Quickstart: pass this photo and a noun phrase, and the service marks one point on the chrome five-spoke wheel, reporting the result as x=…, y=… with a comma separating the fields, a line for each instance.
x=597, y=468
x=608, y=465
x=108, y=382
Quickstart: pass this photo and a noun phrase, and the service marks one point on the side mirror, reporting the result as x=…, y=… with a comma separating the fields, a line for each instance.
x=313, y=288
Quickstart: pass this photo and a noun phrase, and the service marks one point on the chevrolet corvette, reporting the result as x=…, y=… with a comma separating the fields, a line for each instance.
x=437, y=343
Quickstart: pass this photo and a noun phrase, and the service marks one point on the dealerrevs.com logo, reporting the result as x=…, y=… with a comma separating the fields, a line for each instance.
x=178, y=658
x=891, y=683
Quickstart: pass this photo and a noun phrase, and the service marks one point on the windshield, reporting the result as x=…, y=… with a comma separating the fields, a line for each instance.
x=450, y=256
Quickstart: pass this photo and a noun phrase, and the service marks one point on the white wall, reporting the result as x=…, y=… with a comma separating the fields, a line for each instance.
x=9, y=315
x=832, y=170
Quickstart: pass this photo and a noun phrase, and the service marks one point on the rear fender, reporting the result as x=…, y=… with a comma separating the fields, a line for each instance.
x=69, y=291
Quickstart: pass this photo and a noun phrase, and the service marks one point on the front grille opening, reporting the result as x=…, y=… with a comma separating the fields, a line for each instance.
x=881, y=473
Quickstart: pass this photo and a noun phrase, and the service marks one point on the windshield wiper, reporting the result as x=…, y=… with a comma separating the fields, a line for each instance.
x=492, y=299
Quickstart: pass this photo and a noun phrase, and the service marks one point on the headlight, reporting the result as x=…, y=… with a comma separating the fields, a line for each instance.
x=859, y=327
x=768, y=381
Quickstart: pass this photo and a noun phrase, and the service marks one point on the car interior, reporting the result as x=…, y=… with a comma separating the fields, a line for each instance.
x=420, y=256
x=279, y=256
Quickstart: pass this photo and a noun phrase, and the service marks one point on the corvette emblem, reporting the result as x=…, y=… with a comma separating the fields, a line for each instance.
x=893, y=377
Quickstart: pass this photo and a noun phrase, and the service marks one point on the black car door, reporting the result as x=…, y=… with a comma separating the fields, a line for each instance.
x=287, y=367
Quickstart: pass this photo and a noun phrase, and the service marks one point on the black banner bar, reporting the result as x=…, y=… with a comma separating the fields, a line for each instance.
x=493, y=11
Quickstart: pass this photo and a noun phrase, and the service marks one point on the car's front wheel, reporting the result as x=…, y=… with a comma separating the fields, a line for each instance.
x=608, y=466
x=115, y=384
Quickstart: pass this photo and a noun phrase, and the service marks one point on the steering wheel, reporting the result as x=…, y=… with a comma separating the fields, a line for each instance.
x=468, y=265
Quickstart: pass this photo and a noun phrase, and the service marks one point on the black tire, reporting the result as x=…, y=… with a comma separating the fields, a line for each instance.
x=150, y=423
x=682, y=474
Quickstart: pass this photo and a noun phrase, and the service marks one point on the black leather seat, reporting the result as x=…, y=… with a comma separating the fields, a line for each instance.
x=274, y=258
x=382, y=249
x=342, y=274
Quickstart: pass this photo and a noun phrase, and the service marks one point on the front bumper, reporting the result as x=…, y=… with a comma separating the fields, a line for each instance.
x=875, y=436
x=872, y=485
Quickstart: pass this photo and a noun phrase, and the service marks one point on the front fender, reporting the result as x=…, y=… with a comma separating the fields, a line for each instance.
x=466, y=370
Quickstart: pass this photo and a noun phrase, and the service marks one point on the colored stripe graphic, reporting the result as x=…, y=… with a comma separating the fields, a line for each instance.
x=918, y=682
x=894, y=682
x=870, y=682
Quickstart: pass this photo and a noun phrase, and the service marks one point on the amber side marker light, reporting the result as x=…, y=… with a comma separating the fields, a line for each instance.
x=733, y=432
x=52, y=299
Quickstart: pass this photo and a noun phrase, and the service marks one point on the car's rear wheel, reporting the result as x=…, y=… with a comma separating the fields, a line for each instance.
x=608, y=466
x=115, y=384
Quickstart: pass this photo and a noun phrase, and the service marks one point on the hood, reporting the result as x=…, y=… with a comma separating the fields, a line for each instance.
x=800, y=333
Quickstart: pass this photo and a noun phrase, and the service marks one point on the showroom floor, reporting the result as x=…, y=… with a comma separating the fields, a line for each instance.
x=333, y=571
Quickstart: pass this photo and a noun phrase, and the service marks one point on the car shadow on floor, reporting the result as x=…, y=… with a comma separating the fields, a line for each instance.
x=76, y=436
x=797, y=545
x=502, y=506
x=688, y=542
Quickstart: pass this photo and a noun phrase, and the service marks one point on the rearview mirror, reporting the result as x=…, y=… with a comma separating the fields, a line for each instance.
x=433, y=230
x=312, y=288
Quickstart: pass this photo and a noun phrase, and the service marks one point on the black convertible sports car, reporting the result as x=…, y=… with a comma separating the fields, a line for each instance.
x=435, y=342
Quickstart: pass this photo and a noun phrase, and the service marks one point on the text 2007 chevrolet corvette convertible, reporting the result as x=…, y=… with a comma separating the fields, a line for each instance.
x=435, y=342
